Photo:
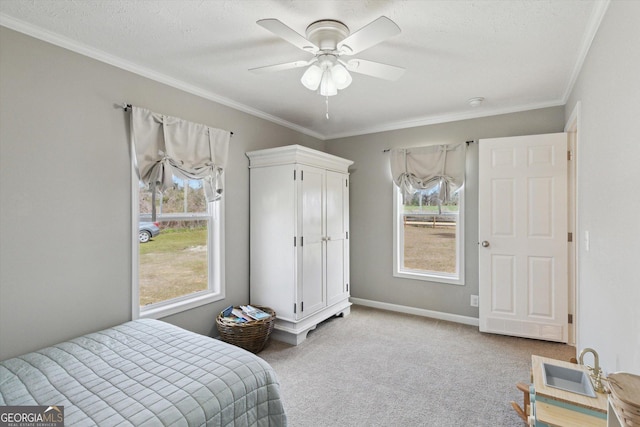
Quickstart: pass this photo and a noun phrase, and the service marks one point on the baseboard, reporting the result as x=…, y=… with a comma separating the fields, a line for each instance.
x=472, y=321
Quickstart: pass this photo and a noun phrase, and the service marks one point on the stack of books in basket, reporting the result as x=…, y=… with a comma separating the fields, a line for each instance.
x=243, y=314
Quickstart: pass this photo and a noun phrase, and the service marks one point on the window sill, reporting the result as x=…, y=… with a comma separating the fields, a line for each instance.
x=175, y=307
x=437, y=278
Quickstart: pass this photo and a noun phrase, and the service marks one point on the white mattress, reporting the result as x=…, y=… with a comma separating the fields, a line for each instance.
x=146, y=373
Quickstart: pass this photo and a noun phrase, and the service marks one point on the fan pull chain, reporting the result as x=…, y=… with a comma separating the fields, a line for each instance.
x=326, y=101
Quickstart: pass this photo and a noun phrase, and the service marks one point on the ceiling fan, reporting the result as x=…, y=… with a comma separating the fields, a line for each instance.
x=328, y=40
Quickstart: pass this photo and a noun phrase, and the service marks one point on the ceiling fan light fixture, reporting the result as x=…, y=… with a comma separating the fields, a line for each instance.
x=341, y=76
x=312, y=77
x=327, y=40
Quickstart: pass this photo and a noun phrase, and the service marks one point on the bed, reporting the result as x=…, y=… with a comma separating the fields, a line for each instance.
x=146, y=373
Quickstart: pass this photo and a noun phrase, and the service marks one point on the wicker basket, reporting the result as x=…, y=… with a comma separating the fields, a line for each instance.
x=252, y=335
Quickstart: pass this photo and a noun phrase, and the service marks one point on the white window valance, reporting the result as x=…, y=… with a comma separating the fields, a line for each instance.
x=435, y=167
x=166, y=145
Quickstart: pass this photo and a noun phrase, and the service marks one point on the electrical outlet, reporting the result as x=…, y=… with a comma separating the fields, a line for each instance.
x=474, y=300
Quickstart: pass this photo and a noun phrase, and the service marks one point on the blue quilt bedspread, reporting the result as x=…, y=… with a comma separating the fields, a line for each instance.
x=146, y=373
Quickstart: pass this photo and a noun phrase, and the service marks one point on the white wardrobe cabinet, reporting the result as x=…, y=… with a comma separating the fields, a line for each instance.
x=299, y=237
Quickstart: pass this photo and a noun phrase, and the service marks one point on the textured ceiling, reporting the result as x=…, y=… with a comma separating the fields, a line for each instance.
x=517, y=54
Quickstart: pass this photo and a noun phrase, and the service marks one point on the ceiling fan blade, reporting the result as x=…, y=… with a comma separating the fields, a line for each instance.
x=375, y=69
x=369, y=35
x=286, y=33
x=282, y=67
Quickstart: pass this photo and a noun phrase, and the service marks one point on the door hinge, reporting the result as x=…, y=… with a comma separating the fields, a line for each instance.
x=569, y=155
x=301, y=306
x=570, y=237
x=294, y=174
x=294, y=307
x=294, y=241
x=301, y=175
x=347, y=287
x=302, y=241
x=347, y=235
x=346, y=183
x=570, y=319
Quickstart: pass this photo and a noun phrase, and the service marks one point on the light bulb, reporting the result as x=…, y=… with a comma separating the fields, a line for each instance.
x=312, y=77
x=341, y=76
x=327, y=85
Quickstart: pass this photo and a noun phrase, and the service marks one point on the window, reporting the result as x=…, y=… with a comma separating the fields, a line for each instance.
x=183, y=164
x=428, y=237
x=428, y=203
x=181, y=267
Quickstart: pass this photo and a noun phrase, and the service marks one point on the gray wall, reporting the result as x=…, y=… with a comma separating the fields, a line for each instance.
x=372, y=207
x=608, y=89
x=65, y=192
x=65, y=209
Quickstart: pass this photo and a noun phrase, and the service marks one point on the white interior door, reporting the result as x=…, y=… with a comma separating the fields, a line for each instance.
x=523, y=236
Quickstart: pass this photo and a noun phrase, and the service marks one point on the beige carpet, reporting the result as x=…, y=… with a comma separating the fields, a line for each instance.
x=379, y=368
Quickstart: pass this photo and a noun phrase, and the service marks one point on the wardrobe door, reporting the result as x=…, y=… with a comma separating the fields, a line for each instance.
x=311, y=211
x=336, y=243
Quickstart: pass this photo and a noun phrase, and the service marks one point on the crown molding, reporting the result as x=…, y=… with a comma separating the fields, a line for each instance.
x=99, y=55
x=445, y=118
x=597, y=14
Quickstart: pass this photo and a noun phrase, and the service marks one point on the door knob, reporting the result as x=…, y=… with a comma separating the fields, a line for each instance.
x=485, y=244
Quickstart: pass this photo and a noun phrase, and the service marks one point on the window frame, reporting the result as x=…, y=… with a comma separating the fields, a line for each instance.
x=215, y=251
x=398, y=247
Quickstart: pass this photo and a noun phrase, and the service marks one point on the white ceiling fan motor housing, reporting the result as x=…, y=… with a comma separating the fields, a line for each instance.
x=327, y=33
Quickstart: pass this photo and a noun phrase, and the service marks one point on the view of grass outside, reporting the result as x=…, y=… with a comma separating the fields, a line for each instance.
x=430, y=233
x=173, y=264
x=430, y=248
